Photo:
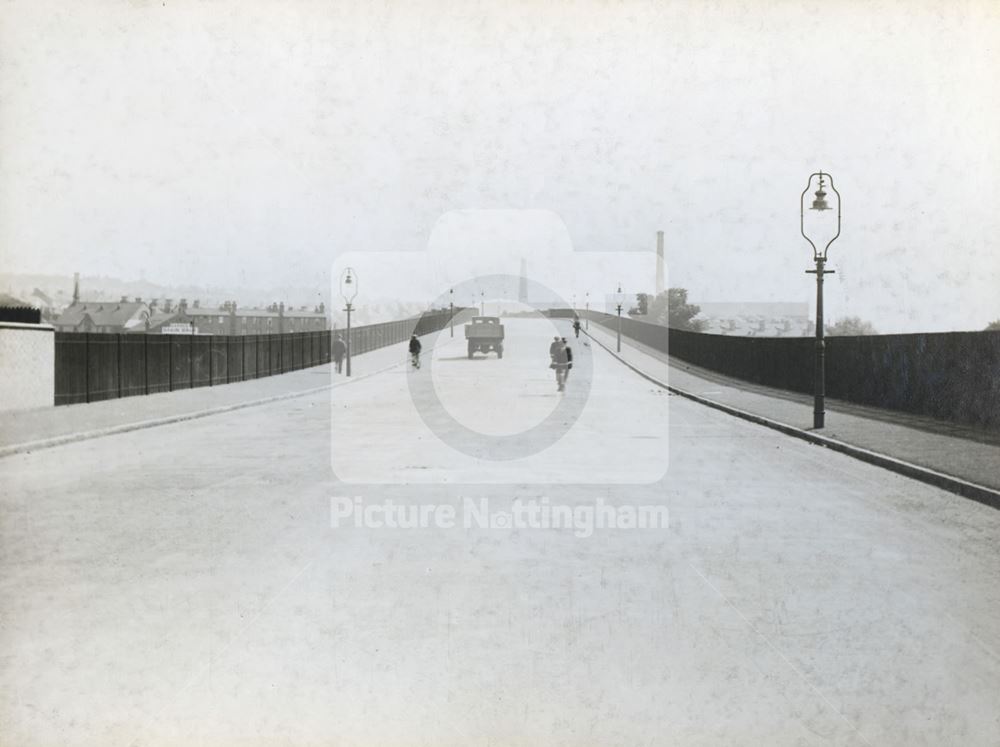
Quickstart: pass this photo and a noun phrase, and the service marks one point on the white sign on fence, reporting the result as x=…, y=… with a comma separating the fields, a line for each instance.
x=178, y=328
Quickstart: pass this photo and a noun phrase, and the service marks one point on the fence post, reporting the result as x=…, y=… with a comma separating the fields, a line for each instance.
x=191, y=361
x=86, y=366
x=211, y=355
x=145, y=363
x=118, y=356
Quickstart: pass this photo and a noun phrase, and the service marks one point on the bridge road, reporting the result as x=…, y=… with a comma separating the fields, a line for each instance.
x=183, y=585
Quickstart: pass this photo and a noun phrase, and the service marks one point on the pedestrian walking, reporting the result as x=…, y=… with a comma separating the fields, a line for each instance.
x=553, y=346
x=415, y=348
x=338, y=349
x=569, y=358
x=560, y=364
x=576, y=327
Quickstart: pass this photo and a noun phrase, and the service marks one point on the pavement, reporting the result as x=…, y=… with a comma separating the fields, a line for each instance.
x=26, y=430
x=187, y=584
x=965, y=452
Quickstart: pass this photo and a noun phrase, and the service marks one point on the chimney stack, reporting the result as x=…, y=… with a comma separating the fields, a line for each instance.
x=659, y=263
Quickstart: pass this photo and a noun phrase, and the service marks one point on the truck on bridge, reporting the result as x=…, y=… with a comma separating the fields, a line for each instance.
x=485, y=333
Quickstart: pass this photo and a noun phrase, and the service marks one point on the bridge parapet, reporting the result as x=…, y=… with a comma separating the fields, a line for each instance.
x=27, y=352
x=90, y=367
x=951, y=376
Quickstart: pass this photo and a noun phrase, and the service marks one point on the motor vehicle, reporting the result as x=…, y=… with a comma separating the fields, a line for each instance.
x=485, y=333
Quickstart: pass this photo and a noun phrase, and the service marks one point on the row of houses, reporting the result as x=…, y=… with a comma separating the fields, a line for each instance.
x=781, y=319
x=158, y=315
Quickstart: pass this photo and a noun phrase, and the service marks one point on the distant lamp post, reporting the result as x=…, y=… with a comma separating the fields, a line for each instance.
x=820, y=230
x=451, y=311
x=619, y=302
x=588, y=309
x=349, y=290
x=482, y=303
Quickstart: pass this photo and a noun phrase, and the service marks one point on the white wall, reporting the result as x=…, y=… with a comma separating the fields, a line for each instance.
x=27, y=366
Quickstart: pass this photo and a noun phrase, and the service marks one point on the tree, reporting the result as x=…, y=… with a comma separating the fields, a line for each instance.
x=642, y=305
x=850, y=326
x=993, y=326
x=671, y=308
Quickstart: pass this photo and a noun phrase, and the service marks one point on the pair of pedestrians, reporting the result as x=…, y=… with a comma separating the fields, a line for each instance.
x=561, y=355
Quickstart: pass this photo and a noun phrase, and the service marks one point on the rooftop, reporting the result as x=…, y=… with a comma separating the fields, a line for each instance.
x=103, y=313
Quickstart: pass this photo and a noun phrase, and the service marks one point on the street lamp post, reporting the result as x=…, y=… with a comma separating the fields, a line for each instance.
x=588, y=309
x=482, y=303
x=349, y=290
x=822, y=236
x=619, y=307
x=451, y=311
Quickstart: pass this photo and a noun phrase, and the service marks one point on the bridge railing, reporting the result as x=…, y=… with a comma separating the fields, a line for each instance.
x=90, y=367
x=951, y=376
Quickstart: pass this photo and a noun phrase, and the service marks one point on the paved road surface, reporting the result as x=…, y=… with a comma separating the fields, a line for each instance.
x=183, y=585
x=382, y=436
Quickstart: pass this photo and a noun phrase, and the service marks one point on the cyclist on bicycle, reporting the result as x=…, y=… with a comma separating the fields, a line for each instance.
x=415, y=347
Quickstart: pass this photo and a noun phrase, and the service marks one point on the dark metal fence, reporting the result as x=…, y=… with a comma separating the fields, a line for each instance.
x=91, y=367
x=20, y=315
x=948, y=375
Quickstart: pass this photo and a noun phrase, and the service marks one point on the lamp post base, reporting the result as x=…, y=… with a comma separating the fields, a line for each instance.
x=347, y=371
x=819, y=365
x=619, y=346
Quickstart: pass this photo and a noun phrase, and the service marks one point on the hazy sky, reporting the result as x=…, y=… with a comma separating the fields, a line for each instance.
x=251, y=142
